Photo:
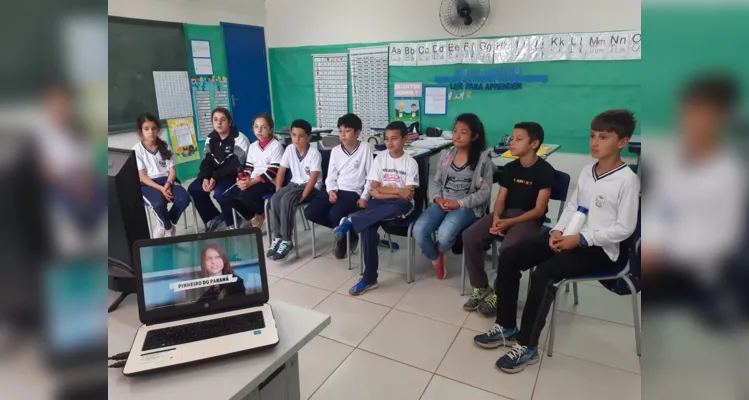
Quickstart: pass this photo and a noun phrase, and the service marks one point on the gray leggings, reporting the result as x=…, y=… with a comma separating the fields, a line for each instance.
x=282, y=209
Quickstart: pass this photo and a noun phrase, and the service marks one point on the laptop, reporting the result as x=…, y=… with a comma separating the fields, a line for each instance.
x=199, y=297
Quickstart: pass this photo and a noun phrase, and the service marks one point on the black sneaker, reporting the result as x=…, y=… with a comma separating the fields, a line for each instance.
x=354, y=242
x=477, y=298
x=273, y=248
x=283, y=251
x=339, y=249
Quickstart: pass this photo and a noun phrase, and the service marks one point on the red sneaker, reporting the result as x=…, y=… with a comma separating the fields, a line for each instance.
x=439, y=266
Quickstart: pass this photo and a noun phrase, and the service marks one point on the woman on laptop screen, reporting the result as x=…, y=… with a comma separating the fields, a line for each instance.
x=214, y=262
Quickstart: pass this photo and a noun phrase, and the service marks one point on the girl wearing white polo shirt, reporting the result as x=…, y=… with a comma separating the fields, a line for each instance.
x=158, y=176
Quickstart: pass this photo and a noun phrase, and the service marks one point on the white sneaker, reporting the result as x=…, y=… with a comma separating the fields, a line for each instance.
x=159, y=232
x=170, y=232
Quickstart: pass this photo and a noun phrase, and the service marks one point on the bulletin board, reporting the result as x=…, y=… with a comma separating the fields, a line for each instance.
x=576, y=92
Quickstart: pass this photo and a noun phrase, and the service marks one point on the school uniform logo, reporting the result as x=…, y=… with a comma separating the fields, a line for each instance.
x=356, y=164
x=267, y=160
x=600, y=200
x=162, y=162
x=306, y=170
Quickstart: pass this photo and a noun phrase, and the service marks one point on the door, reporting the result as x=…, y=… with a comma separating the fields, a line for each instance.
x=248, y=74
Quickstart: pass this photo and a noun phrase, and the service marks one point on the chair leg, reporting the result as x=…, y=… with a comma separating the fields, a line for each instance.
x=304, y=220
x=574, y=291
x=552, y=324
x=567, y=288
x=150, y=227
x=296, y=241
x=314, y=252
x=348, y=247
x=268, y=226
x=463, y=275
x=194, y=216
x=390, y=243
x=635, y=314
x=494, y=255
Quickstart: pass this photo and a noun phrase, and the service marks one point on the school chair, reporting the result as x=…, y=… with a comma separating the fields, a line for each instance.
x=150, y=210
x=620, y=270
x=559, y=193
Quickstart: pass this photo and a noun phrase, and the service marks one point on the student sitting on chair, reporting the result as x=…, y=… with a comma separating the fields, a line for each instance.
x=305, y=163
x=525, y=188
x=394, y=177
x=461, y=192
x=345, y=184
x=259, y=177
x=158, y=176
x=610, y=191
x=225, y=152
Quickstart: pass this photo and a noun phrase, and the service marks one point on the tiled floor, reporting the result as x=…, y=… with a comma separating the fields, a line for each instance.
x=413, y=341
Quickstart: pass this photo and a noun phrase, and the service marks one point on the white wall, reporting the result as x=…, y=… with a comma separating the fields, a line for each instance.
x=201, y=12
x=320, y=22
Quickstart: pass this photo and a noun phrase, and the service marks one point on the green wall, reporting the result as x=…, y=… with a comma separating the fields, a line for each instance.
x=575, y=93
x=214, y=34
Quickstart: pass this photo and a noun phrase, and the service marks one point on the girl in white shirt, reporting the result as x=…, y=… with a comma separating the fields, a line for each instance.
x=158, y=176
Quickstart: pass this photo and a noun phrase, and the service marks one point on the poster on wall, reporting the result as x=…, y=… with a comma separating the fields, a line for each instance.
x=208, y=92
x=331, y=88
x=596, y=46
x=435, y=100
x=369, y=81
x=409, y=55
x=396, y=54
x=182, y=139
x=407, y=110
x=173, y=98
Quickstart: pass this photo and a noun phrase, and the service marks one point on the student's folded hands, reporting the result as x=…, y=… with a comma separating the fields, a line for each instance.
x=564, y=243
x=361, y=203
x=332, y=196
x=243, y=184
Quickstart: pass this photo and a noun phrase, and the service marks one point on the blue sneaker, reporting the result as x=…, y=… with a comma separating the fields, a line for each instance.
x=497, y=336
x=362, y=287
x=517, y=359
x=342, y=228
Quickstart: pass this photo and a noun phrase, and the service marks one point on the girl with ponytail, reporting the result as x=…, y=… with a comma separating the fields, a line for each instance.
x=158, y=176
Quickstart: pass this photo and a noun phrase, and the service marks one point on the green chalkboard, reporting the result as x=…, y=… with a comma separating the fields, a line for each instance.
x=136, y=49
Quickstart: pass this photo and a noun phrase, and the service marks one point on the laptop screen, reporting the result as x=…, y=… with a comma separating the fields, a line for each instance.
x=200, y=271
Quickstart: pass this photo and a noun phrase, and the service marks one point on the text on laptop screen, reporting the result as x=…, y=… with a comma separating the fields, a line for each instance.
x=200, y=271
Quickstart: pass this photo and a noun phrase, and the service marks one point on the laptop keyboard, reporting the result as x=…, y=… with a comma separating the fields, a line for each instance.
x=210, y=329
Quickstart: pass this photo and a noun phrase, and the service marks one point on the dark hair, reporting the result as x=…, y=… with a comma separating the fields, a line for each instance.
x=226, y=113
x=720, y=90
x=268, y=119
x=478, y=137
x=535, y=131
x=160, y=144
x=622, y=122
x=398, y=126
x=302, y=124
x=350, y=121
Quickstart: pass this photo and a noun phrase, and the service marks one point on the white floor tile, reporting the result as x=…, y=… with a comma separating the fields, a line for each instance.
x=297, y=294
x=366, y=376
x=596, y=340
x=351, y=319
x=323, y=273
x=445, y=389
x=431, y=300
x=564, y=377
x=283, y=268
x=391, y=288
x=599, y=302
x=272, y=279
x=411, y=339
x=468, y=363
x=317, y=361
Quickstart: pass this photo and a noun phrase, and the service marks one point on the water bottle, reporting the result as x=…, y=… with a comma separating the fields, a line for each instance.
x=576, y=222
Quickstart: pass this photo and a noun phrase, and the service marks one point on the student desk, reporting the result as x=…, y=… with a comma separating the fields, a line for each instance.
x=243, y=376
x=500, y=161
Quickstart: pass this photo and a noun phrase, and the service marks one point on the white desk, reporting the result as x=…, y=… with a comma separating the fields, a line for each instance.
x=425, y=147
x=500, y=161
x=235, y=377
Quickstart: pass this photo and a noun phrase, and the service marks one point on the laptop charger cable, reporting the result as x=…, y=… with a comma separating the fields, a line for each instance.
x=121, y=359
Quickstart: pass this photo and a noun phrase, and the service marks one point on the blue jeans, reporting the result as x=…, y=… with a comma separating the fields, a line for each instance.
x=448, y=226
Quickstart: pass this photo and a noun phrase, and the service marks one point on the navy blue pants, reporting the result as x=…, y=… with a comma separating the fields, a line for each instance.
x=322, y=212
x=203, y=203
x=156, y=200
x=368, y=222
x=250, y=202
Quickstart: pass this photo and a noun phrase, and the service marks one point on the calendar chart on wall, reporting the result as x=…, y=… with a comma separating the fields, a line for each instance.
x=331, y=88
x=369, y=80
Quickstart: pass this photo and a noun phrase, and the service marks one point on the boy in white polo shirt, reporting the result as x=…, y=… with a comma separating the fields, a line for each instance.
x=305, y=164
x=610, y=191
x=394, y=177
